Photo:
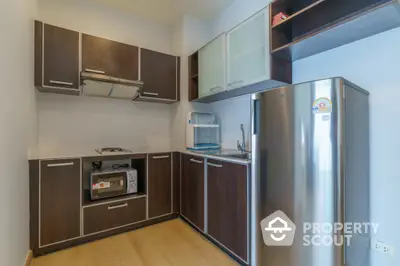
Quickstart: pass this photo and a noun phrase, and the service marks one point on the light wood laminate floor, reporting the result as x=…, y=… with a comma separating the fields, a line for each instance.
x=171, y=243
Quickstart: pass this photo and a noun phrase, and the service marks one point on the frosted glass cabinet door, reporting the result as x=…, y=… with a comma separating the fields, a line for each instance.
x=212, y=67
x=248, y=57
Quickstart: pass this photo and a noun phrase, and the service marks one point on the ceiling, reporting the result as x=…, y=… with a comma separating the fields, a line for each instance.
x=170, y=11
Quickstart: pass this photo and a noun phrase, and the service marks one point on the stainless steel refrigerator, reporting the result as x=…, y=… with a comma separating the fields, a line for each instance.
x=310, y=159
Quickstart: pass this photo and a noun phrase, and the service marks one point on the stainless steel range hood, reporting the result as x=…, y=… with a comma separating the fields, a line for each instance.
x=101, y=85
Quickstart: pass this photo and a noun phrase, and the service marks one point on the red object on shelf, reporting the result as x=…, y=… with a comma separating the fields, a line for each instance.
x=278, y=18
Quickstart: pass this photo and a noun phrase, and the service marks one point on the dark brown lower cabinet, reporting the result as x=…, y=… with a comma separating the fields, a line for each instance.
x=159, y=184
x=192, y=190
x=227, y=205
x=60, y=207
x=176, y=190
x=108, y=216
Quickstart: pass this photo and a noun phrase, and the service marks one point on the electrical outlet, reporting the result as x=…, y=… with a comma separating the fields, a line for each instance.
x=381, y=247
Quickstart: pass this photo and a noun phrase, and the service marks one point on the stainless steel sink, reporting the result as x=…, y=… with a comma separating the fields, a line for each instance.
x=245, y=156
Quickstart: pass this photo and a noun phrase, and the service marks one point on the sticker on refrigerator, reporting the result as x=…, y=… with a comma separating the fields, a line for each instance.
x=322, y=106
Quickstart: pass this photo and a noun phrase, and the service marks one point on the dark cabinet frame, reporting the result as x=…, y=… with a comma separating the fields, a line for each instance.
x=185, y=179
x=160, y=185
x=117, y=59
x=61, y=41
x=193, y=190
x=101, y=56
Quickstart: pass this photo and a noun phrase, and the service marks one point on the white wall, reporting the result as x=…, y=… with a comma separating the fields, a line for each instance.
x=372, y=64
x=76, y=123
x=189, y=35
x=233, y=112
x=95, y=18
x=17, y=122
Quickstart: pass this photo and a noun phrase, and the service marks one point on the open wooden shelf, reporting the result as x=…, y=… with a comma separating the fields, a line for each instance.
x=193, y=77
x=298, y=13
x=318, y=26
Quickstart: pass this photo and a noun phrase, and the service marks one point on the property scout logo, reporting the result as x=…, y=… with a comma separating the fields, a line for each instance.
x=278, y=230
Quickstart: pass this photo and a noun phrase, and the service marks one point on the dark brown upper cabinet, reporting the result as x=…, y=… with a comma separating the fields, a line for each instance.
x=115, y=59
x=159, y=184
x=160, y=76
x=315, y=26
x=60, y=207
x=192, y=190
x=56, y=59
x=227, y=205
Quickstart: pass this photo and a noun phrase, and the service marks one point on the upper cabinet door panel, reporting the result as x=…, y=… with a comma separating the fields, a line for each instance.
x=212, y=65
x=248, y=51
x=60, y=57
x=159, y=74
x=110, y=58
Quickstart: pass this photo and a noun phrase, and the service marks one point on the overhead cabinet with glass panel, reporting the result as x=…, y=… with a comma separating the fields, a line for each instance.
x=212, y=67
x=239, y=62
x=248, y=52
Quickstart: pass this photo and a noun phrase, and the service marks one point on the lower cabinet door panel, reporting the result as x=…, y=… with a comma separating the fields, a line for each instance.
x=159, y=184
x=227, y=205
x=192, y=190
x=109, y=216
x=60, y=207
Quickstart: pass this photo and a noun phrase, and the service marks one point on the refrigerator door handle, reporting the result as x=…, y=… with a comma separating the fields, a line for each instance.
x=256, y=115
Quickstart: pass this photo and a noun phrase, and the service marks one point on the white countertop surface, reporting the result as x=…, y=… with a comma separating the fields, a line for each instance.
x=68, y=153
x=219, y=157
x=47, y=154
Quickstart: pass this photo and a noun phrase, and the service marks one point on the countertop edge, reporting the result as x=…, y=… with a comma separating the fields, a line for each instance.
x=218, y=158
x=83, y=156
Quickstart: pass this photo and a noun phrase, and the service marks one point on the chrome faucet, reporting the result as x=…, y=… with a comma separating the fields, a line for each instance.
x=242, y=147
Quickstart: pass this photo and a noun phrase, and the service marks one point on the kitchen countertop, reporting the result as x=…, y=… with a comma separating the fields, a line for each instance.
x=218, y=155
x=41, y=154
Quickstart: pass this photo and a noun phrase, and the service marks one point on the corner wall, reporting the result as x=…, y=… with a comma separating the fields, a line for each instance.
x=189, y=36
x=17, y=127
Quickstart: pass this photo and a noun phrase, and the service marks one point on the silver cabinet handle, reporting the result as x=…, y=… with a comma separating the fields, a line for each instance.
x=235, y=82
x=161, y=157
x=215, y=165
x=94, y=71
x=196, y=161
x=61, y=82
x=118, y=206
x=60, y=164
x=150, y=93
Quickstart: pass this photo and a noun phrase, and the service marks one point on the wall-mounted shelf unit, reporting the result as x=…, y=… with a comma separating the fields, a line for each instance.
x=315, y=26
x=193, y=76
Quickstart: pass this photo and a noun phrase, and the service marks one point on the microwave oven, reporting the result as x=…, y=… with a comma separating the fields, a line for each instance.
x=112, y=183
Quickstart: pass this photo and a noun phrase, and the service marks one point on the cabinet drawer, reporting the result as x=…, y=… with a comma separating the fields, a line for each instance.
x=112, y=215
